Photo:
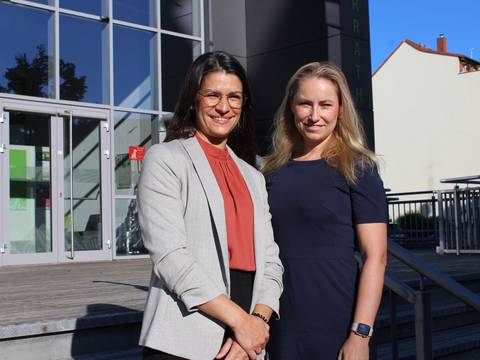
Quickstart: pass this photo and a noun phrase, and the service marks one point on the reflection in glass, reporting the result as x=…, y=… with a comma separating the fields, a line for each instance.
x=86, y=199
x=30, y=218
x=181, y=16
x=134, y=63
x=83, y=64
x=131, y=129
x=26, y=61
x=139, y=12
x=128, y=235
x=44, y=2
x=177, y=55
x=95, y=7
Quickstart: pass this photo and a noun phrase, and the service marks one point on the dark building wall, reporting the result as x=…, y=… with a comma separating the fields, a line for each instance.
x=273, y=38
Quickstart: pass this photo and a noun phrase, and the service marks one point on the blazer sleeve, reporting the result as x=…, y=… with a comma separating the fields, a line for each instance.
x=160, y=214
x=272, y=285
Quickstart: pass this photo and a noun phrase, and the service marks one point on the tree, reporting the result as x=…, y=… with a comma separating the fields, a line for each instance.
x=28, y=78
x=72, y=88
x=31, y=78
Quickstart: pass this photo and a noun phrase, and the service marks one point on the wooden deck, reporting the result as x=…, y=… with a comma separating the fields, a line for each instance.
x=37, y=294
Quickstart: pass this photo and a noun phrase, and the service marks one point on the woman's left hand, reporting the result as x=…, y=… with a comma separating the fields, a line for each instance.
x=354, y=348
x=231, y=350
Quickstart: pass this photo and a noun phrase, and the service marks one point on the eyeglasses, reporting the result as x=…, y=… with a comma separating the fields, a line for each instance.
x=212, y=98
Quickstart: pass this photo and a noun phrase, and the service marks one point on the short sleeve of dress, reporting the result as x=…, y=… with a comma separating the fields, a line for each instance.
x=369, y=203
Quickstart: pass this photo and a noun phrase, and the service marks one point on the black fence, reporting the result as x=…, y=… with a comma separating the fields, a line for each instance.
x=413, y=220
x=448, y=220
x=458, y=220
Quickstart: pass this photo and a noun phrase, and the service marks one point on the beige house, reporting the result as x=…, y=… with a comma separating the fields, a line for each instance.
x=427, y=116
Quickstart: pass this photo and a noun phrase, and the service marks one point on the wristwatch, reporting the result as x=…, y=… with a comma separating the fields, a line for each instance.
x=362, y=330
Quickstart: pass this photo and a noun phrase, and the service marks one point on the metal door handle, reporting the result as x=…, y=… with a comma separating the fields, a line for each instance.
x=3, y=248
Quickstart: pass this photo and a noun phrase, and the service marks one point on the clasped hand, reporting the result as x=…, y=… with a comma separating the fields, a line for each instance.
x=250, y=337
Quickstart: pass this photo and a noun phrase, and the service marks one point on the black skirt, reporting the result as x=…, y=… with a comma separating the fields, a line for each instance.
x=241, y=289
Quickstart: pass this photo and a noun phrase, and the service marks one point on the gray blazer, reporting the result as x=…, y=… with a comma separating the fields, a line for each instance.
x=181, y=214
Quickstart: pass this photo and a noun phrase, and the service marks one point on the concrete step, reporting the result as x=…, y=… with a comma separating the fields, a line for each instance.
x=100, y=337
x=446, y=343
x=132, y=354
x=455, y=326
x=444, y=316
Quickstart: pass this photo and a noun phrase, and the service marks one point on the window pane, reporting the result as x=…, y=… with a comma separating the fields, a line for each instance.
x=131, y=130
x=44, y=2
x=181, y=16
x=83, y=64
x=138, y=12
x=177, y=55
x=85, y=200
x=26, y=61
x=134, y=68
x=30, y=214
x=127, y=231
x=95, y=7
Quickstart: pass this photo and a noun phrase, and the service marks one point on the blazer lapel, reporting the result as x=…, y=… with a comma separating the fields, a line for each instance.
x=214, y=197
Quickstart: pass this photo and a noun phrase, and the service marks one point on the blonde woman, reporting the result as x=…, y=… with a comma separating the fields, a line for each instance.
x=326, y=200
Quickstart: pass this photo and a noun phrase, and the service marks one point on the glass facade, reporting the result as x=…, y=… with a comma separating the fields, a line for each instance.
x=125, y=57
x=133, y=131
x=30, y=215
x=134, y=68
x=82, y=180
x=181, y=16
x=140, y=12
x=26, y=60
x=83, y=64
x=177, y=55
x=94, y=7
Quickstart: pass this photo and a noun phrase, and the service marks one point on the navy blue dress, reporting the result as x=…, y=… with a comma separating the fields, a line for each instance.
x=314, y=211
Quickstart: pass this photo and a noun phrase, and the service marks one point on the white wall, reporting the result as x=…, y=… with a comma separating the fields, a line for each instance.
x=427, y=120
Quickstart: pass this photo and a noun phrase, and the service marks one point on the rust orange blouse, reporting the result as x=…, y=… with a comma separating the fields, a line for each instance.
x=238, y=206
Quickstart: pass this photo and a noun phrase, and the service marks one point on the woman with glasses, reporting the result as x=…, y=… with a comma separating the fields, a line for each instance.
x=326, y=200
x=203, y=211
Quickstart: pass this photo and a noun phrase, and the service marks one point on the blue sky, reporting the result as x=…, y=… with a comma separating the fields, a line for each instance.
x=392, y=21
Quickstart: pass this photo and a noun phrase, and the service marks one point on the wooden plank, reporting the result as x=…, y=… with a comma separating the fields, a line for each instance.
x=46, y=292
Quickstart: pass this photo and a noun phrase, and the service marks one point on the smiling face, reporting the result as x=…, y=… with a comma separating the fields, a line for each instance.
x=214, y=123
x=315, y=108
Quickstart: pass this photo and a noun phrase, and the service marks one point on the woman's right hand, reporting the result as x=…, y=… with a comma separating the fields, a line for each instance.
x=252, y=334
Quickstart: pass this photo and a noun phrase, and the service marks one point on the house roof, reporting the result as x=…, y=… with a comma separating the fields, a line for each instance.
x=421, y=47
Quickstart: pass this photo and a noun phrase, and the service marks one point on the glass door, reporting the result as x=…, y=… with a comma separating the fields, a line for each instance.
x=85, y=166
x=27, y=185
x=55, y=196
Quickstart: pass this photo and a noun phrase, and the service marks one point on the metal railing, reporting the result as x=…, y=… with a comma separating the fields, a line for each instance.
x=459, y=220
x=446, y=219
x=413, y=219
x=420, y=298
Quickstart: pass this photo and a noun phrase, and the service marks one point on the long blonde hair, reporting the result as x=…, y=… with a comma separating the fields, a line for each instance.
x=346, y=150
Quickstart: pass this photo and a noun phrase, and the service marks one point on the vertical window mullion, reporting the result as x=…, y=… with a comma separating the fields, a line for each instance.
x=110, y=53
x=159, y=60
x=202, y=24
x=56, y=39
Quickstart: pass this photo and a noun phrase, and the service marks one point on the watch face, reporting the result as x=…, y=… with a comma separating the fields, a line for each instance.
x=363, y=329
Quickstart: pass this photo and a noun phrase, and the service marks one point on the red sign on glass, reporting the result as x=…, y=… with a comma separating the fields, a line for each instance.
x=136, y=152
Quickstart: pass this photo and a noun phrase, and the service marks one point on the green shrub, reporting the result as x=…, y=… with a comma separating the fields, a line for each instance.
x=415, y=221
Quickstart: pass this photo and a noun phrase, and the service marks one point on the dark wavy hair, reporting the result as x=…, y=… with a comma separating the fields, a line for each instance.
x=182, y=126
